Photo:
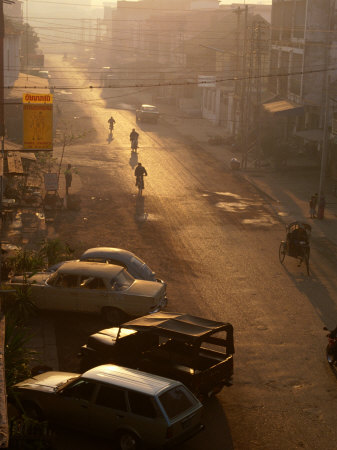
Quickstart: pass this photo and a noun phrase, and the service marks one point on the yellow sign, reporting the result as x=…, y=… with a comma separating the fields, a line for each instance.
x=37, y=122
x=37, y=98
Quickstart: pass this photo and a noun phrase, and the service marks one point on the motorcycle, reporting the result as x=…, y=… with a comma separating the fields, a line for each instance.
x=331, y=348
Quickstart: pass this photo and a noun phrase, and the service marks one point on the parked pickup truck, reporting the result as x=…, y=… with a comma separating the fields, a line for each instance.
x=196, y=351
x=147, y=113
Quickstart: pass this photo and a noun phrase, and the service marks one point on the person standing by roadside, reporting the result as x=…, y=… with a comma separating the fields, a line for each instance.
x=68, y=174
x=321, y=206
x=312, y=209
x=315, y=200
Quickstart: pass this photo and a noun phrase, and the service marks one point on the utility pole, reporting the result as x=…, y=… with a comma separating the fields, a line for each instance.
x=3, y=402
x=238, y=12
x=325, y=143
x=2, y=117
x=243, y=115
x=258, y=75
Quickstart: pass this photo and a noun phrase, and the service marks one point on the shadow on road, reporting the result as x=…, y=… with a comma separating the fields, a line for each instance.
x=316, y=292
x=133, y=159
x=110, y=137
x=217, y=434
x=140, y=214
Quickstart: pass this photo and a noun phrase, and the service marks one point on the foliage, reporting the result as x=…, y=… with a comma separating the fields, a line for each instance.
x=18, y=357
x=25, y=261
x=29, y=434
x=54, y=251
x=45, y=161
x=22, y=306
x=29, y=41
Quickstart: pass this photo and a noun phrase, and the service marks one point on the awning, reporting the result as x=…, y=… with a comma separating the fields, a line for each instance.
x=311, y=135
x=283, y=107
x=14, y=163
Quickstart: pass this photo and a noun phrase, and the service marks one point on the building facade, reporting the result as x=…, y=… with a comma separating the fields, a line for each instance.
x=301, y=55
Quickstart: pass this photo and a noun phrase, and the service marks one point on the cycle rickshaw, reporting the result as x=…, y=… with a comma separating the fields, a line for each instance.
x=297, y=243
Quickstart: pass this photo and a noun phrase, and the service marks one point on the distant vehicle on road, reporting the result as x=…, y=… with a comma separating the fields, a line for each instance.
x=147, y=113
x=44, y=74
x=196, y=351
x=132, y=408
x=97, y=288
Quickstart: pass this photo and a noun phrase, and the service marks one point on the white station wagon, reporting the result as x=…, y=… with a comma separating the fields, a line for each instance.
x=132, y=408
x=95, y=288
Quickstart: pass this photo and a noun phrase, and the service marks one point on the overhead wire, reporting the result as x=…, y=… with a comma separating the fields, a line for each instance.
x=186, y=83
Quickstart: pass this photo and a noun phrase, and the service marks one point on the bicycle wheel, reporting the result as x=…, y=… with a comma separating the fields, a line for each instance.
x=282, y=252
x=306, y=259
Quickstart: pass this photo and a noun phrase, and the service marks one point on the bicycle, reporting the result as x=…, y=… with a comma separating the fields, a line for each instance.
x=140, y=184
x=296, y=244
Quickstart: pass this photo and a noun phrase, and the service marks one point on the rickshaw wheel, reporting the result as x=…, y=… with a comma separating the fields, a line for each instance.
x=306, y=259
x=282, y=252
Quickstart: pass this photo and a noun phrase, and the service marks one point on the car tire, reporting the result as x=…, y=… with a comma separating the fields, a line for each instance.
x=126, y=440
x=114, y=316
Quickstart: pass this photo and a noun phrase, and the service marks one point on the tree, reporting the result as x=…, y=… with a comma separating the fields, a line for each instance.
x=29, y=41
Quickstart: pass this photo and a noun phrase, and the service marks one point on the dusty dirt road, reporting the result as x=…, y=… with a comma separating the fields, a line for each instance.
x=214, y=239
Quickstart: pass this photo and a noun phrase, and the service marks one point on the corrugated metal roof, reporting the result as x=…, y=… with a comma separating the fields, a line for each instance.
x=12, y=146
x=283, y=107
x=176, y=324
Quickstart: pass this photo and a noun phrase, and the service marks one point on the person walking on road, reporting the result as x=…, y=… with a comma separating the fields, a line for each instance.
x=134, y=140
x=68, y=174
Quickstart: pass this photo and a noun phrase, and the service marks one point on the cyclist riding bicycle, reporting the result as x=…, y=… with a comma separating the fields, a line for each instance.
x=140, y=171
x=111, y=123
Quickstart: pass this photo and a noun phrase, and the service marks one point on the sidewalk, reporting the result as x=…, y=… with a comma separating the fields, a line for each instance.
x=288, y=189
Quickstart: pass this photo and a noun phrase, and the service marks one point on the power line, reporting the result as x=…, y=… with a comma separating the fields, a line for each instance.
x=186, y=83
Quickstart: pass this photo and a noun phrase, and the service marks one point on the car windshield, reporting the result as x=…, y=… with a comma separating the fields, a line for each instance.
x=176, y=401
x=62, y=385
x=52, y=279
x=122, y=281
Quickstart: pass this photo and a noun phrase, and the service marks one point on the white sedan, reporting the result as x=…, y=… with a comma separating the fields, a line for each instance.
x=95, y=288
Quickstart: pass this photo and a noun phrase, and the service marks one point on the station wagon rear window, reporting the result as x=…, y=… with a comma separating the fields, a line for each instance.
x=176, y=401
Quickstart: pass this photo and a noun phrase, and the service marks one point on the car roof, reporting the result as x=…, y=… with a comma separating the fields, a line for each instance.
x=89, y=268
x=109, y=252
x=136, y=380
x=183, y=326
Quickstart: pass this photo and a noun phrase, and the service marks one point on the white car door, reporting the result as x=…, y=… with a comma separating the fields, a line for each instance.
x=93, y=294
